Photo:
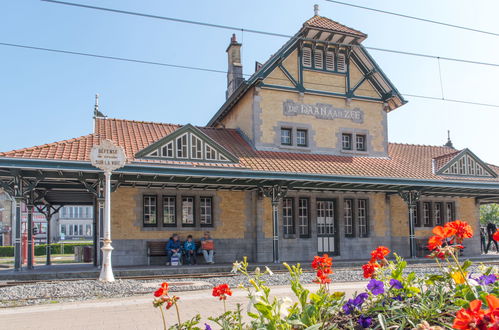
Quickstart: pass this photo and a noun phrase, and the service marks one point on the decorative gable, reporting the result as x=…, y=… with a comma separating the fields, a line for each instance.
x=466, y=163
x=187, y=144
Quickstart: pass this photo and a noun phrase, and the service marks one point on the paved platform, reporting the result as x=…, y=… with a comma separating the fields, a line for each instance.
x=88, y=271
x=133, y=312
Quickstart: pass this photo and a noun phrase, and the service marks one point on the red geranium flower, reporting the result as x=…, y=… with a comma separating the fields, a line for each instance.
x=222, y=291
x=322, y=262
x=434, y=242
x=476, y=318
x=369, y=269
x=163, y=290
x=459, y=229
x=496, y=236
x=323, y=266
x=379, y=253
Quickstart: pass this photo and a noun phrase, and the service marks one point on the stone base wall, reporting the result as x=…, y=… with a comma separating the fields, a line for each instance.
x=132, y=252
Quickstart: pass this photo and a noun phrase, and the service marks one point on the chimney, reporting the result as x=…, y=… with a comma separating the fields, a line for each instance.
x=235, y=70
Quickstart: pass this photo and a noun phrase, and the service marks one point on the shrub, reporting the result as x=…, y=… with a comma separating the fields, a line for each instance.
x=41, y=249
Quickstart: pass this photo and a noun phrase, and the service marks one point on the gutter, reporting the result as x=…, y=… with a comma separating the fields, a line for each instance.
x=240, y=174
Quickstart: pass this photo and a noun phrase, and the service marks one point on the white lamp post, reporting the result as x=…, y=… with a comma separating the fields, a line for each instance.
x=108, y=157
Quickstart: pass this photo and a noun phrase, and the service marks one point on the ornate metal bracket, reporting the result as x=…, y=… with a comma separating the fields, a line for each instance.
x=410, y=196
x=275, y=192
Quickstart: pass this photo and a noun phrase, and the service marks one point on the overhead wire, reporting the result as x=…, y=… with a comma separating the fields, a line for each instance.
x=236, y=28
x=426, y=20
x=188, y=67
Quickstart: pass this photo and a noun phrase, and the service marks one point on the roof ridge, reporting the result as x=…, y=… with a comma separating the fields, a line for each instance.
x=139, y=121
x=46, y=145
x=457, y=152
x=420, y=145
x=335, y=22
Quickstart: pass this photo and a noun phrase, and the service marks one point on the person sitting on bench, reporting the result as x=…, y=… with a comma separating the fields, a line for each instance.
x=173, y=248
x=207, y=247
x=190, y=251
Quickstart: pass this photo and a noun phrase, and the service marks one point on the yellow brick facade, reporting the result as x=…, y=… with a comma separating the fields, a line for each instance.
x=126, y=216
x=272, y=112
x=465, y=208
x=241, y=116
x=381, y=224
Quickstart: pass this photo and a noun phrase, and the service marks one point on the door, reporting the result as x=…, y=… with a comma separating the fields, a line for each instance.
x=327, y=240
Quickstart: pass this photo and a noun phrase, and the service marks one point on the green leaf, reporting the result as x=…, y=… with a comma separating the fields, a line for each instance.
x=315, y=297
x=467, y=264
x=337, y=295
x=265, y=310
x=253, y=315
x=382, y=321
x=313, y=327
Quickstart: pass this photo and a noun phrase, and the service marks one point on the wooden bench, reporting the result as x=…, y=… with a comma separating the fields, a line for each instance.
x=156, y=249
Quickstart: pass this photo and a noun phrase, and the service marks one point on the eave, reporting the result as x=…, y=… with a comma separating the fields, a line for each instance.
x=222, y=178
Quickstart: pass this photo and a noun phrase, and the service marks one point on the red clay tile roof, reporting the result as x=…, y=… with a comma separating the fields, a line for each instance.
x=328, y=24
x=441, y=161
x=405, y=160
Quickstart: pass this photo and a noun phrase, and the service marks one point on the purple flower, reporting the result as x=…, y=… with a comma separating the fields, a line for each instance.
x=359, y=300
x=396, y=284
x=365, y=321
x=207, y=326
x=349, y=307
x=398, y=297
x=487, y=279
x=376, y=287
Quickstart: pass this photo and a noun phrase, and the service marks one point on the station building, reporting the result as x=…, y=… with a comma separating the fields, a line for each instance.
x=295, y=163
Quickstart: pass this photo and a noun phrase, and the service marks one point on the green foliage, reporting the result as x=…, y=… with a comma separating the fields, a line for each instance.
x=41, y=249
x=405, y=301
x=489, y=213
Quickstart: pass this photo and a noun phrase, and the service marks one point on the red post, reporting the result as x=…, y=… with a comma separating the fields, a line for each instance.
x=24, y=243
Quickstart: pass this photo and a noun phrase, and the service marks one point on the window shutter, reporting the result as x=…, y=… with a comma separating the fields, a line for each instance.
x=307, y=57
x=342, y=67
x=319, y=59
x=330, y=61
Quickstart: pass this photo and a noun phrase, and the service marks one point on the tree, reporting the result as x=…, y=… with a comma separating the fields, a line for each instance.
x=489, y=213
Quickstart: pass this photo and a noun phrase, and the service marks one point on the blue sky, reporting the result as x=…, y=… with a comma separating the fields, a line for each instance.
x=47, y=97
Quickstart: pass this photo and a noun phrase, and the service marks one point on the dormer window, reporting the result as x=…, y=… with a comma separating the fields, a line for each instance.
x=467, y=165
x=196, y=147
x=307, y=57
x=286, y=136
x=167, y=150
x=187, y=143
x=182, y=151
x=210, y=153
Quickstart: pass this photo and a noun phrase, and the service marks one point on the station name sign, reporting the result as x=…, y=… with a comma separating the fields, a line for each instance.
x=322, y=111
x=107, y=156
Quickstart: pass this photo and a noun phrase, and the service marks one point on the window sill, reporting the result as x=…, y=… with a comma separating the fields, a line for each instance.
x=294, y=148
x=354, y=152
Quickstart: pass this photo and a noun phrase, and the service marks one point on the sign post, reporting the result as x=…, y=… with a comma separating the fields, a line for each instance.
x=108, y=157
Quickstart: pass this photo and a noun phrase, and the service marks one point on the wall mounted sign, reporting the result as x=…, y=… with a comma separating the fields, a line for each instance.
x=322, y=111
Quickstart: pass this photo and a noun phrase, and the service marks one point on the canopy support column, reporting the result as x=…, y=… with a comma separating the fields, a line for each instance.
x=411, y=197
x=30, y=207
x=49, y=211
x=275, y=193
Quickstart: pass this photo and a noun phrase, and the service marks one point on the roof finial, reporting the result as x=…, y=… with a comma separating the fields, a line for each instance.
x=97, y=113
x=316, y=10
x=449, y=142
